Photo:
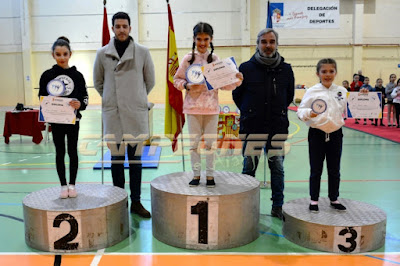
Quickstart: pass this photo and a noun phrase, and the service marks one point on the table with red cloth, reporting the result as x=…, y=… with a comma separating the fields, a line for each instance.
x=23, y=123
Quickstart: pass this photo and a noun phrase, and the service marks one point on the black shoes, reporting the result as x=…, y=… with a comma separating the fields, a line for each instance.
x=313, y=208
x=276, y=211
x=338, y=207
x=210, y=183
x=137, y=208
x=195, y=182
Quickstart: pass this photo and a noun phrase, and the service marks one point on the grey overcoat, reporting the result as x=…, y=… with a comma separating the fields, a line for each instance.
x=124, y=84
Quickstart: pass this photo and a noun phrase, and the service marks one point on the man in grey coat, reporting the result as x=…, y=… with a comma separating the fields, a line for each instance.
x=124, y=75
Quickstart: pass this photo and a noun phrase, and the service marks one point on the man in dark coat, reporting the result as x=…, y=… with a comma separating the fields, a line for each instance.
x=263, y=99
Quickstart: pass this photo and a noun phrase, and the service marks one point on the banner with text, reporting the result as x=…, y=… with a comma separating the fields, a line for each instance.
x=305, y=14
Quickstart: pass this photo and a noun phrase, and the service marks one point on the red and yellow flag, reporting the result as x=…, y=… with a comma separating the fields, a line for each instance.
x=174, y=117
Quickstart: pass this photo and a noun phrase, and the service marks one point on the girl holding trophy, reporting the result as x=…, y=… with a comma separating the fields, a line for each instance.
x=322, y=109
x=201, y=102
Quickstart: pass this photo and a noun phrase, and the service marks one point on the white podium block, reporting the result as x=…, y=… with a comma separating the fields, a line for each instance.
x=96, y=219
x=202, y=218
x=361, y=228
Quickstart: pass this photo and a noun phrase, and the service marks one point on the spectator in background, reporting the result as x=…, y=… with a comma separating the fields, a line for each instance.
x=369, y=88
x=355, y=86
x=391, y=112
x=379, y=88
x=396, y=101
x=346, y=85
x=360, y=75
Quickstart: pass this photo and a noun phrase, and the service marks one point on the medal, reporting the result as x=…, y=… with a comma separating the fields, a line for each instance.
x=318, y=106
x=55, y=87
x=194, y=74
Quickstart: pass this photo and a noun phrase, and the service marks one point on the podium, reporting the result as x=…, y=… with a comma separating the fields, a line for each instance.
x=361, y=228
x=202, y=218
x=97, y=218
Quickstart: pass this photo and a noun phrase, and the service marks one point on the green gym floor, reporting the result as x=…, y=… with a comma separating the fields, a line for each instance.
x=370, y=172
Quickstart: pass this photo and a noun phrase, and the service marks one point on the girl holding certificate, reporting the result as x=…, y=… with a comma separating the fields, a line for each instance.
x=201, y=102
x=64, y=81
x=322, y=110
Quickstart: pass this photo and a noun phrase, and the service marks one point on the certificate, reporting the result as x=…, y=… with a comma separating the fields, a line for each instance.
x=221, y=73
x=56, y=110
x=364, y=105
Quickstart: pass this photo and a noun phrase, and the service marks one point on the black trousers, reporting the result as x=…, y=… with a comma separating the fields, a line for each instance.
x=319, y=149
x=397, y=107
x=72, y=132
x=135, y=171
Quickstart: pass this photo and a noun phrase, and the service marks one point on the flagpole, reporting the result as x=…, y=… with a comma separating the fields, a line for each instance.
x=105, y=39
x=183, y=147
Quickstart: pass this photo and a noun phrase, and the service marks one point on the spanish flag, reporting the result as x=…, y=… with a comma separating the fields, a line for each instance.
x=174, y=117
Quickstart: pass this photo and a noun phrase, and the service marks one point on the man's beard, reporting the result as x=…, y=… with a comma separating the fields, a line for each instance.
x=270, y=55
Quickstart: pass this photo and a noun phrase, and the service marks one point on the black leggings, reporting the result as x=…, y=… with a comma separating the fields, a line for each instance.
x=397, y=107
x=72, y=131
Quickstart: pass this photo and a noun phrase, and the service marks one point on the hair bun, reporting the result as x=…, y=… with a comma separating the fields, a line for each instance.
x=63, y=38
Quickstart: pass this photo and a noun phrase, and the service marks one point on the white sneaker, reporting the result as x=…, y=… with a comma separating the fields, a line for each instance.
x=72, y=191
x=64, y=192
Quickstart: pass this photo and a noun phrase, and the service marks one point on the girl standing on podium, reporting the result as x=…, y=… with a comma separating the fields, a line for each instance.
x=322, y=109
x=201, y=104
x=74, y=88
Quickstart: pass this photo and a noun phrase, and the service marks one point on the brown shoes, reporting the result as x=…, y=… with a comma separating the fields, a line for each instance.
x=137, y=208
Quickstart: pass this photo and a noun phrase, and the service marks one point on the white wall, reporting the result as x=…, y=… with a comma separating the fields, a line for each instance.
x=10, y=26
x=81, y=22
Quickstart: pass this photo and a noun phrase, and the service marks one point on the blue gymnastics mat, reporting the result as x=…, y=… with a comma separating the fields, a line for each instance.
x=150, y=158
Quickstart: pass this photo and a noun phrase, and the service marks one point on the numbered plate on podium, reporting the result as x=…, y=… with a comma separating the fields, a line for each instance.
x=64, y=231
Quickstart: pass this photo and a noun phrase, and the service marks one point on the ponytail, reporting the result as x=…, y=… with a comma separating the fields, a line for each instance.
x=192, y=59
x=210, y=57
